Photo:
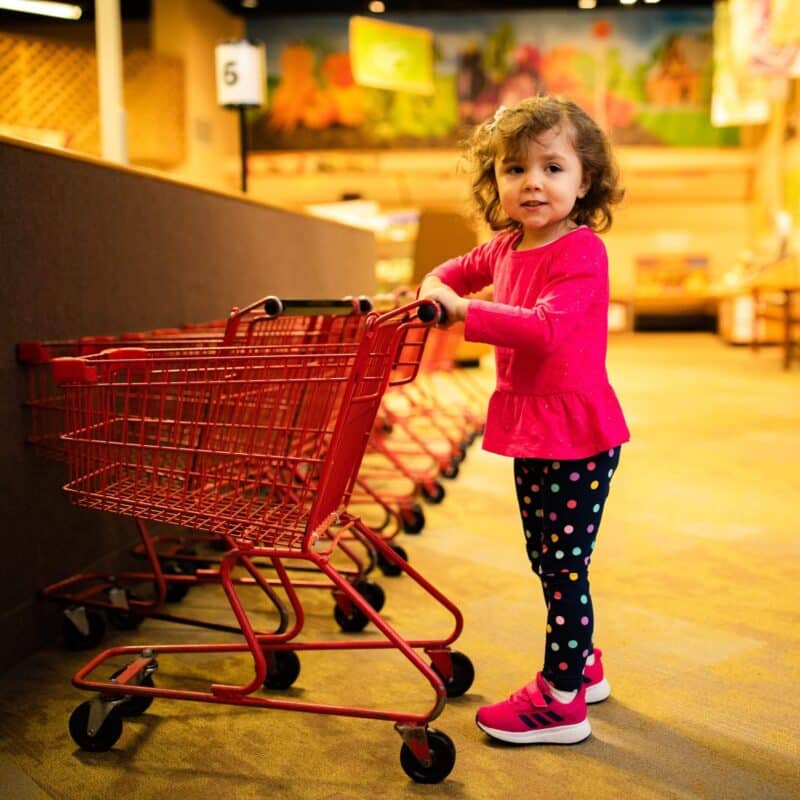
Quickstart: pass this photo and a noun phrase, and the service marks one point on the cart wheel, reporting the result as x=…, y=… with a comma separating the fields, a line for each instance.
x=451, y=470
x=413, y=518
x=390, y=568
x=176, y=591
x=136, y=705
x=462, y=451
x=433, y=494
x=463, y=675
x=124, y=619
x=75, y=639
x=285, y=670
x=372, y=592
x=107, y=735
x=353, y=622
x=443, y=758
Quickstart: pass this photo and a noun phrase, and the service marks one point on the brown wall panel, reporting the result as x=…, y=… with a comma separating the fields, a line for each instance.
x=87, y=248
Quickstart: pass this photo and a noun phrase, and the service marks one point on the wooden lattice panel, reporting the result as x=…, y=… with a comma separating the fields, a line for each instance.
x=49, y=86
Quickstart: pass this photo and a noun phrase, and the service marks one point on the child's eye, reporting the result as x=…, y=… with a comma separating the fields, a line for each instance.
x=515, y=169
x=553, y=168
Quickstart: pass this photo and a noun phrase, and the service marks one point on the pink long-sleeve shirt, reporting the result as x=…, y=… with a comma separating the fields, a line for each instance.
x=548, y=323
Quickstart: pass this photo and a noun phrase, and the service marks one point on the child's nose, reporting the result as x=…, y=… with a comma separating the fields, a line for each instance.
x=532, y=178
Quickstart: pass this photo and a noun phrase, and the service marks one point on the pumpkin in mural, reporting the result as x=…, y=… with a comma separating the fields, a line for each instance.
x=302, y=99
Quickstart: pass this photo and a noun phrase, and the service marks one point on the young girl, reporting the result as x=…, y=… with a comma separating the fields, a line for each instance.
x=544, y=177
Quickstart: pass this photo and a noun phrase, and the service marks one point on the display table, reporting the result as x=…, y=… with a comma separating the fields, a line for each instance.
x=779, y=304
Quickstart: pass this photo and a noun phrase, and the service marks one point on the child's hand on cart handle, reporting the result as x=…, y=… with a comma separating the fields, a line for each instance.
x=431, y=311
x=453, y=305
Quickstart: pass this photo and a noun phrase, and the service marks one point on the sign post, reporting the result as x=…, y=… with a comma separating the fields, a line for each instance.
x=241, y=84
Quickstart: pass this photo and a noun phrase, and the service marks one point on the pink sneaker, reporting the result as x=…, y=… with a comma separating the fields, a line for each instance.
x=533, y=716
x=597, y=687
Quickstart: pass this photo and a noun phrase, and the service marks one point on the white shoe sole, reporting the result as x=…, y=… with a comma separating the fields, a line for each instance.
x=563, y=734
x=598, y=692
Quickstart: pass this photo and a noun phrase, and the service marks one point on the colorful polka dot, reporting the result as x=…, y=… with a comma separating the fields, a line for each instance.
x=596, y=507
x=554, y=488
x=568, y=529
x=573, y=476
x=584, y=599
x=594, y=484
x=526, y=500
x=555, y=647
x=573, y=576
x=563, y=666
x=590, y=529
x=556, y=595
x=559, y=554
x=572, y=644
x=572, y=503
x=584, y=620
x=576, y=551
x=560, y=620
x=553, y=537
x=553, y=516
x=591, y=466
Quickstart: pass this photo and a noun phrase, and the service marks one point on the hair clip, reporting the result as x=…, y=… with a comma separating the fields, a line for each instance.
x=497, y=114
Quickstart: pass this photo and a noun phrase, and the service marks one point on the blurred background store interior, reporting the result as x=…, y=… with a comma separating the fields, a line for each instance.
x=138, y=193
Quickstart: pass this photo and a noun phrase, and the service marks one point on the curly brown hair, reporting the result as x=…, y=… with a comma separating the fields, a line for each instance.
x=509, y=133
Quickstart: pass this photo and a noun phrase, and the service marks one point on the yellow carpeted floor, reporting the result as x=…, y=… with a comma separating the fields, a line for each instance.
x=695, y=587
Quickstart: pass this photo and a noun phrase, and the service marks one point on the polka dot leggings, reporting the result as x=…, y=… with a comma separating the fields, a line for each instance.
x=561, y=503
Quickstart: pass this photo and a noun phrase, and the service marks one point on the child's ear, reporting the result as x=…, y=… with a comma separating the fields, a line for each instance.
x=583, y=188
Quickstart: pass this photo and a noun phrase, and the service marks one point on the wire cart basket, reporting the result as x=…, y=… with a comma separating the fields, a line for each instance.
x=174, y=561
x=260, y=444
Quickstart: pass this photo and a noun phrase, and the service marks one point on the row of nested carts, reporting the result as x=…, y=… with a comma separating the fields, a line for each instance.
x=287, y=449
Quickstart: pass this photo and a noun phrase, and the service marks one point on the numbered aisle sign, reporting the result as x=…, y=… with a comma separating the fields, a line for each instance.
x=241, y=74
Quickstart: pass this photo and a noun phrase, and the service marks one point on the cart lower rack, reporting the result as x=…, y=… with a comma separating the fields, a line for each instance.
x=261, y=445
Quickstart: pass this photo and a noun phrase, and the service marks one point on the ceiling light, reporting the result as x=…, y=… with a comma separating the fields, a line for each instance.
x=587, y=4
x=249, y=3
x=627, y=2
x=376, y=7
x=44, y=7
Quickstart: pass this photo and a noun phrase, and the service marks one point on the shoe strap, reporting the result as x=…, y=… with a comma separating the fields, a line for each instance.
x=530, y=693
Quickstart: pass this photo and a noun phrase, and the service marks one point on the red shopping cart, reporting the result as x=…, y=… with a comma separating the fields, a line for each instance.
x=260, y=445
x=176, y=560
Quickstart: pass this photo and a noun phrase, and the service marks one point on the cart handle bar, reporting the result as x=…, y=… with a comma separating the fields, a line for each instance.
x=275, y=306
x=70, y=369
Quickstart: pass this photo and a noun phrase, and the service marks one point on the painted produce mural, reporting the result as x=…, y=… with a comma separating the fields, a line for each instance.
x=644, y=74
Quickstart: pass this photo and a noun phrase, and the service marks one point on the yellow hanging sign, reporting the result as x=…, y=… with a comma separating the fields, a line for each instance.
x=386, y=55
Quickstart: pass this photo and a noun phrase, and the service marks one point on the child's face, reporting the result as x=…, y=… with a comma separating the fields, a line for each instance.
x=539, y=188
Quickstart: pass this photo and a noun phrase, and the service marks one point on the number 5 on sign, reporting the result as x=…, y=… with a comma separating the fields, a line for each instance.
x=241, y=74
